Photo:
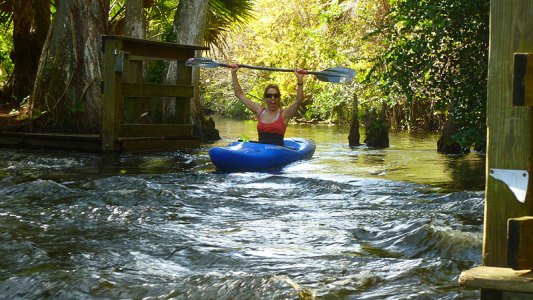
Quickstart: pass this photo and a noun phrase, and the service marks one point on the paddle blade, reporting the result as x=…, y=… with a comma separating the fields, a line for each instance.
x=202, y=62
x=335, y=75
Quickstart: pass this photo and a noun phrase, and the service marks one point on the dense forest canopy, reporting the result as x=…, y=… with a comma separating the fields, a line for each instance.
x=426, y=59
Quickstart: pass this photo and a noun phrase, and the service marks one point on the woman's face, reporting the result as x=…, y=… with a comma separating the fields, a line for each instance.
x=272, y=98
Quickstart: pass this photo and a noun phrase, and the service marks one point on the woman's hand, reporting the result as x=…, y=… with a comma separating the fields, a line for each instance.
x=300, y=73
x=234, y=68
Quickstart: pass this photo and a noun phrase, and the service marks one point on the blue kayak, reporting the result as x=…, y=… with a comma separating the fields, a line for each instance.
x=254, y=156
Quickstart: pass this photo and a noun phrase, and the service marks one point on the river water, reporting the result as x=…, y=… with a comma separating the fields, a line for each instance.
x=396, y=223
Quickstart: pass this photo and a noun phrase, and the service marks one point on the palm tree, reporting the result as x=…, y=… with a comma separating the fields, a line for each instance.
x=222, y=16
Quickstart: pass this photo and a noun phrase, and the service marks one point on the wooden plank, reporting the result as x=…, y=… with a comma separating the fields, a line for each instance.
x=145, y=58
x=156, y=130
x=150, y=48
x=59, y=136
x=155, y=90
x=138, y=145
x=149, y=43
x=89, y=145
x=9, y=139
x=520, y=243
x=487, y=294
x=165, y=50
x=80, y=142
x=495, y=278
x=509, y=127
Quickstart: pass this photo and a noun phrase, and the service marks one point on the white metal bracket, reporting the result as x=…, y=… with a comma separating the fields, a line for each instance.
x=516, y=180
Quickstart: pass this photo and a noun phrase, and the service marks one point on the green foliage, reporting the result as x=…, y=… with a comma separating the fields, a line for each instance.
x=218, y=95
x=427, y=59
x=313, y=35
x=155, y=71
x=437, y=51
x=77, y=107
x=6, y=43
x=37, y=113
x=160, y=17
x=224, y=15
x=244, y=138
x=117, y=12
x=6, y=46
x=326, y=104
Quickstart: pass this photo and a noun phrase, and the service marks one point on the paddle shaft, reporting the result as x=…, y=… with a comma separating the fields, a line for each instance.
x=335, y=75
x=267, y=68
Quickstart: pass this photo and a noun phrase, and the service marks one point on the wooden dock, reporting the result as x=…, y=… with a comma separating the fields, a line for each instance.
x=91, y=142
x=137, y=116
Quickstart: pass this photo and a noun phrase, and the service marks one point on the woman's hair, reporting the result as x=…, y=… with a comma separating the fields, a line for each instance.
x=274, y=86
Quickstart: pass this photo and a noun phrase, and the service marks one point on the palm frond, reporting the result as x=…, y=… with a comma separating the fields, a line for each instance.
x=224, y=15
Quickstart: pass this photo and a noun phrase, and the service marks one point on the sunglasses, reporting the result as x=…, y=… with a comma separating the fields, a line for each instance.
x=269, y=95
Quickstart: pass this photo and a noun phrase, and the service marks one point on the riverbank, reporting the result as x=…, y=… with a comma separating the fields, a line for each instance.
x=8, y=117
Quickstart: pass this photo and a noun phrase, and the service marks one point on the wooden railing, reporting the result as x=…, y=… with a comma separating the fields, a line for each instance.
x=138, y=115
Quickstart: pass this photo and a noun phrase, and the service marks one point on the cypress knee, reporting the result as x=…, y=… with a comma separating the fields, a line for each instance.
x=354, y=136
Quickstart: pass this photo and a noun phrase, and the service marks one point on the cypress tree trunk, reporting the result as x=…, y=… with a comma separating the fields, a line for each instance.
x=135, y=21
x=377, y=128
x=190, y=24
x=446, y=144
x=136, y=110
x=22, y=53
x=67, y=97
x=30, y=25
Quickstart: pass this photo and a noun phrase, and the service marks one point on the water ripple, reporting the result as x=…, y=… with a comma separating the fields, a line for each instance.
x=75, y=227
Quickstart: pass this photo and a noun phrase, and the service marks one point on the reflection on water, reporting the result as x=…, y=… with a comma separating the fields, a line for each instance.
x=396, y=223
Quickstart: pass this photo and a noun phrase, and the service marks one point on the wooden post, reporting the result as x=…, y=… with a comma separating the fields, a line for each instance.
x=112, y=109
x=509, y=127
x=520, y=243
x=509, y=148
x=184, y=77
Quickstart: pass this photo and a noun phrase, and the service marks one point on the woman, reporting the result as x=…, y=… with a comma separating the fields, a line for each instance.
x=272, y=120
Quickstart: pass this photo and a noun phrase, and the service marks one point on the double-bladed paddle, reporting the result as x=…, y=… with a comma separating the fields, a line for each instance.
x=335, y=75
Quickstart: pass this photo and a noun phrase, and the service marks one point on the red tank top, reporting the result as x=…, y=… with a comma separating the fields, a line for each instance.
x=277, y=127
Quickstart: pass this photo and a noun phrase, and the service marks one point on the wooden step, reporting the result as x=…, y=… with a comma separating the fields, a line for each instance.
x=502, y=279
